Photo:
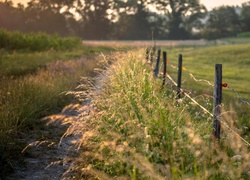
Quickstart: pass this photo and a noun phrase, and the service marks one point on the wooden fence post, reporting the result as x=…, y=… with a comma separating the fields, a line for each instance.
x=152, y=53
x=217, y=100
x=156, y=70
x=147, y=55
x=151, y=58
x=179, y=77
x=164, y=67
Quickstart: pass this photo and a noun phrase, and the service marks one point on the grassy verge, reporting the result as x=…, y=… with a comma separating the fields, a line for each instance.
x=23, y=62
x=139, y=132
x=33, y=85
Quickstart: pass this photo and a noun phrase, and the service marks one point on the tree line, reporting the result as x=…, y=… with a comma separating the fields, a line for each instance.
x=125, y=19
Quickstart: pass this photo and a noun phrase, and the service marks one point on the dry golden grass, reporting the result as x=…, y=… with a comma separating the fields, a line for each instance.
x=135, y=130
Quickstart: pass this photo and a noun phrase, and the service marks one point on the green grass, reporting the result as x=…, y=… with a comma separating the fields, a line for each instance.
x=25, y=100
x=34, y=85
x=36, y=41
x=201, y=63
x=137, y=130
x=22, y=62
x=236, y=40
x=244, y=35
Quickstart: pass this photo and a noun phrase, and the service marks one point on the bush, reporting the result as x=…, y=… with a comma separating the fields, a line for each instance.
x=244, y=35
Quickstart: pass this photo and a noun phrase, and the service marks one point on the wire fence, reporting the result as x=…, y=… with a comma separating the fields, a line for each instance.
x=150, y=57
x=225, y=85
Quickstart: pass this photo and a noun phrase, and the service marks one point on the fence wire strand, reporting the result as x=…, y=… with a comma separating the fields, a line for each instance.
x=207, y=111
x=209, y=83
x=192, y=76
x=239, y=96
x=200, y=80
x=203, y=108
x=187, y=95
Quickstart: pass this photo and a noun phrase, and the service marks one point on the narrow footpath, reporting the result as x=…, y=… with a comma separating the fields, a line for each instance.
x=51, y=157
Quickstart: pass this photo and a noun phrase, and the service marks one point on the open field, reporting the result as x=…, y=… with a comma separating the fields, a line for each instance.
x=200, y=62
x=146, y=43
x=168, y=43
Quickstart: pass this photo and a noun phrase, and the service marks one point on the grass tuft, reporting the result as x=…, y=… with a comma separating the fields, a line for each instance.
x=137, y=131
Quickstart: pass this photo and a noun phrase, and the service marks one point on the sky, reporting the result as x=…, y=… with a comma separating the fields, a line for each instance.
x=214, y=3
x=208, y=3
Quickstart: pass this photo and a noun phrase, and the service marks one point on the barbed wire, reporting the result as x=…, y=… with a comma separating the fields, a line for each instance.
x=192, y=76
x=200, y=80
x=209, y=83
x=194, y=101
x=203, y=108
x=207, y=111
x=239, y=96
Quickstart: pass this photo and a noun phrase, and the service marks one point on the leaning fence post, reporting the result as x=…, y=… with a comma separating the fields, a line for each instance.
x=164, y=67
x=179, y=77
x=156, y=70
x=217, y=100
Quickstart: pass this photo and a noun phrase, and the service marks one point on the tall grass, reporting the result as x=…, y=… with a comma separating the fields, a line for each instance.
x=35, y=87
x=137, y=131
x=35, y=41
x=35, y=72
x=24, y=100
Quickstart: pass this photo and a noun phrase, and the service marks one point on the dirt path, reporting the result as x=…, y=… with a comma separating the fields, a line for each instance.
x=51, y=156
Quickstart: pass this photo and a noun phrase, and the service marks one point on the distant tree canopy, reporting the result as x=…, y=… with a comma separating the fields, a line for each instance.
x=245, y=17
x=222, y=22
x=94, y=22
x=133, y=20
x=36, y=17
x=119, y=19
x=183, y=16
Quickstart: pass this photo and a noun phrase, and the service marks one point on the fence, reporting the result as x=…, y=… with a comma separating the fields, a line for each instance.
x=217, y=95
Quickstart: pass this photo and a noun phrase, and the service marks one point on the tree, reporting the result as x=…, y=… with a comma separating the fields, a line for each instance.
x=44, y=17
x=11, y=18
x=110, y=19
x=182, y=15
x=133, y=20
x=245, y=17
x=39, y=16
x=95, y=22
x=222, y=22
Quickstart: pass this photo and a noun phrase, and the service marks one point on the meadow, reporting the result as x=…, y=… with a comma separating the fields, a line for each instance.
x=34, y=82
x=138, y=131
x=200, y=62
